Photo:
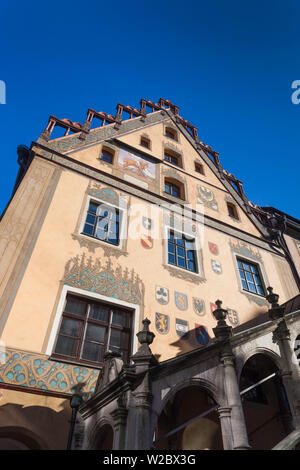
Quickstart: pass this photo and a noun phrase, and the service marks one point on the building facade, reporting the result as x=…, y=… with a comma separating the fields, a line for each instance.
x=123, y=221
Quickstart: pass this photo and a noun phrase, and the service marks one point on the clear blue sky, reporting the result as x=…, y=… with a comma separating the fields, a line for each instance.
x=228, y=65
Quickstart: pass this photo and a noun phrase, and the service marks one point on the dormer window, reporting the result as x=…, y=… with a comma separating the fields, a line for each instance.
x=107, y=155
x=171, y=133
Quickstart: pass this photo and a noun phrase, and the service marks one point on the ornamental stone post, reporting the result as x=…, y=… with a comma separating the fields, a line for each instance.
x=119, y=416
x=290, y=372
x=139, y=419
x=232, y=418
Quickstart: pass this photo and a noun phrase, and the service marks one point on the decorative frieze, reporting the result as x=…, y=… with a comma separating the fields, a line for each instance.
x=36, y=371
x=95, y=276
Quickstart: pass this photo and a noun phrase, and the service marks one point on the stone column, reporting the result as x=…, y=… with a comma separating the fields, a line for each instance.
x=139, y=423
x=120, y=420
x=290, y=372
x=238, y=435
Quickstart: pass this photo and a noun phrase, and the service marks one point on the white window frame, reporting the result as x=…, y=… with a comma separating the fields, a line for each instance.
x=167, y=228
x=93, y=296
x=122, y=219
x=261, y=271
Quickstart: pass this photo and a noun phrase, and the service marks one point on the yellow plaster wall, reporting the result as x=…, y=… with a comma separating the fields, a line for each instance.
x=45, y=419
x=31, y=315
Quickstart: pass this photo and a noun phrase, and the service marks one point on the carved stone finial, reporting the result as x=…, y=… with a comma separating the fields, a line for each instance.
x=144, y=357
x=222, y=330
x=145, y=336
x=220, y=313
x=275, y=311
x=272, y=298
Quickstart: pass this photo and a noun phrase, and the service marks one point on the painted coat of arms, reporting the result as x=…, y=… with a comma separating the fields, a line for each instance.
x=199, y=306
x=162, y=295
x=201, y=334
x=162, y=323
x=147, y=223
x=233, y=317
x=213, y=248
x=182, y=328
x=181, y=301
x=217, y=267
x=207, y=197
x=146, y=241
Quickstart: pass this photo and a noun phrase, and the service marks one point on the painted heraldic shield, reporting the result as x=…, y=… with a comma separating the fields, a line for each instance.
x=201, y=334
x=199, y=306
x=162, y=323
x=181, y=301
x=213, y=248
x=147, y=223
x=182, y=328
x=217, y=267
x=162, y=295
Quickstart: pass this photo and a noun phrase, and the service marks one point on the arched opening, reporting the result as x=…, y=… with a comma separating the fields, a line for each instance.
x=105, y=438
x=297, y=349
x=17, y=438
x=266, y=408
x=202, y=433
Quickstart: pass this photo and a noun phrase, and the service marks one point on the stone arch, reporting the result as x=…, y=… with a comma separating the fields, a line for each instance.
x=266, y=409
x=245, y=356
x=10, y=435
x=297, y=348
x=96, y=436
x=177, y=405
x=203, y=384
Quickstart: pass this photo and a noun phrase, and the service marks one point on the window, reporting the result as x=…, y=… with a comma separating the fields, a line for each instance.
x=172, y=189
x=103, y=222
x=232, y=210
x=181, y=251
x=171, y=133
x=172, y=157
x=145, y=142
x=89, y=329
x=251, y=277
x=107, y=155
x=199, y=168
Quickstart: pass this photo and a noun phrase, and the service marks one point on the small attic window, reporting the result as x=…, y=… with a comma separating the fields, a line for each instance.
x=232, y=211
x=199, y=168
x=172, y=157
x=174, y=188
x=145, y=142
x=107, y=155
x=171, y=133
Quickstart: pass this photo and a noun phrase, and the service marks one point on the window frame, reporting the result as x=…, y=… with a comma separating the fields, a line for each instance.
x=200, y=166
x=111, y=152
x=234, y=209
x=172, y=132
x=86, y=320
x=135, y=308
x=259, y=273
x=122, y=221
x=145, y=139
x=189, y=238
x=175, y=155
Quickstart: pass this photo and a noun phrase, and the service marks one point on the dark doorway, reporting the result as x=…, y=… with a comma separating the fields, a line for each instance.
x=266, y=408
x=204, y=433
x=105, y=438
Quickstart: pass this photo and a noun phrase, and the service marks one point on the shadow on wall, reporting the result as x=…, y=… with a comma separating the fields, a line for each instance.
x=192, y=339
x=199, y=337
x=34, y=427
